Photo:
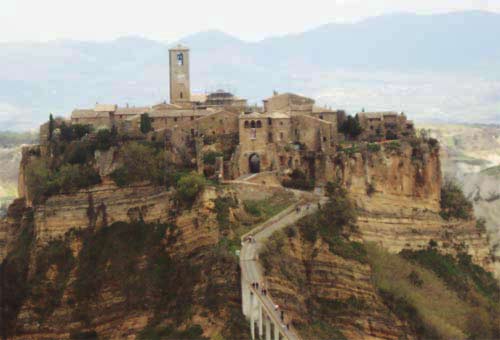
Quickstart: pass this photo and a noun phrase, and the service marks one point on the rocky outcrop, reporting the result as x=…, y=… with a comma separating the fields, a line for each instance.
x=317, y=287
x=202, y=281
x=100, y=206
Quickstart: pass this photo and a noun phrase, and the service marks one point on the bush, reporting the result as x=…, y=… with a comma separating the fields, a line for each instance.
x=453, y=202
x=105, y=139
x=42, y=182
x=210, y=157
x=351, y=127
x=298, y=180
x=189, y=186
x=141, y=163
x=392, y=146
x=373, y=147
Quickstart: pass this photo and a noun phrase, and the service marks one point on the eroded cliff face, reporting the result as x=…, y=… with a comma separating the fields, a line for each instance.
x=100, y=206
x=159, y=268
x=325, y=294
x=397, y=191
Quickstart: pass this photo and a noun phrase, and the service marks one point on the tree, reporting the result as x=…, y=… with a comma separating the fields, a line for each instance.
x=52, y=126
x=351, y=127
x=189, y=186
x=146, y=123
x=453, y=202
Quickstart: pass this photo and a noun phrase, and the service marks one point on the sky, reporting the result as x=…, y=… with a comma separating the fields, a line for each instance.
x=168, y=20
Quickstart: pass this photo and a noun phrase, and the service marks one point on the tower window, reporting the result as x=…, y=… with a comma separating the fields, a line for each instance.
x=247, y=125
x=180, y=59
x=259, y=124
x=181, y=95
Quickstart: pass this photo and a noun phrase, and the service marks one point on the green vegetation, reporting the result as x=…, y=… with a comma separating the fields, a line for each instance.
x=141, y=162
x=105, y=139
x=322, y=330
x=351, y=127
x=45, y=293
x=453, y=202
x=459, y=273
x=393, y=146
x=264, y=209
x=189, y=186
x=373, y=147
x=440, y=296
x=222, y=209
x=42, y=181
x=14, y=269
x=211, y=156
x=298, y=180
x=493, y=171
x=146, y=125
x=194, y=332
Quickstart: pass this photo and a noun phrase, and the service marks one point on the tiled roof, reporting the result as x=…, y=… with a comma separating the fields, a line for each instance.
x=105, y=108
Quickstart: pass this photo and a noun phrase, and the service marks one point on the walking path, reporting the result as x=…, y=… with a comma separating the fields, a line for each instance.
x=260, y=307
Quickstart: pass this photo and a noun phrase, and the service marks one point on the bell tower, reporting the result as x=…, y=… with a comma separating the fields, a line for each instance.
x=180, y=91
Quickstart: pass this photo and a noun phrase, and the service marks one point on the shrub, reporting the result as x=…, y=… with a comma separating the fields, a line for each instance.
x=38, y=176
x=189, y=186
x=373, y=147
x=222, y=209
x=211, y=156
x=298, y=180
x=351, y=127
x=392, y=146
x=140, y=163
x=453, y=202
x=80, y=130
x=481, y=225
x=105, y=139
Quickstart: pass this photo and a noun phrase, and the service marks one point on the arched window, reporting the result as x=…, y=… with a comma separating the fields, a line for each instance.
x=247, y=125
x=252, y=124
x=259, y=124
x=181, y=95
x=269, y=121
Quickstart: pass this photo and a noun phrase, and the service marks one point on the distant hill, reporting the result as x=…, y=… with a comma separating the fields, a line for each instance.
x=400, y=61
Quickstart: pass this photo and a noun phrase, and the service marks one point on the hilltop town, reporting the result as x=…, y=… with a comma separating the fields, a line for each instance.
x=288, y=132
x=209, y=218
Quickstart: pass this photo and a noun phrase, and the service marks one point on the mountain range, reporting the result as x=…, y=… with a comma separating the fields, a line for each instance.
x=443, y=67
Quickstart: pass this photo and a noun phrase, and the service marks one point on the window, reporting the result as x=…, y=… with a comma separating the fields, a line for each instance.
x=181, y=95
x=192, y=117
x=259, y=124
x=269, y=121
x=324, y=139
x=270, y=137
x=321, y=117
x=180, y=59
x=281, y=135
x=247, y=125
x=253, y=134
x=175, y=119
x=281, y=123
x=252, y=124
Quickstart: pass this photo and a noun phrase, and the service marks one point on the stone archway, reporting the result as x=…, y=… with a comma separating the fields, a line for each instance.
x=254, y=163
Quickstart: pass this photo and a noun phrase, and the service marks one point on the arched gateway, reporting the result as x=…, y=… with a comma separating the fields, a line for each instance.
x=254, y=163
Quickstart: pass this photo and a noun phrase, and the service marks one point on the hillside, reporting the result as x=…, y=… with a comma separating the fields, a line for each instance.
x=403, y=61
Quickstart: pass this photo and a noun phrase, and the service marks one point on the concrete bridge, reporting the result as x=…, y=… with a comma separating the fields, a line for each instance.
x=259, y=308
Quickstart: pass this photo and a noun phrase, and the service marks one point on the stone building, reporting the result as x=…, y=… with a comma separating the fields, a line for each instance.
x=379, y=126
x=290, y=133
